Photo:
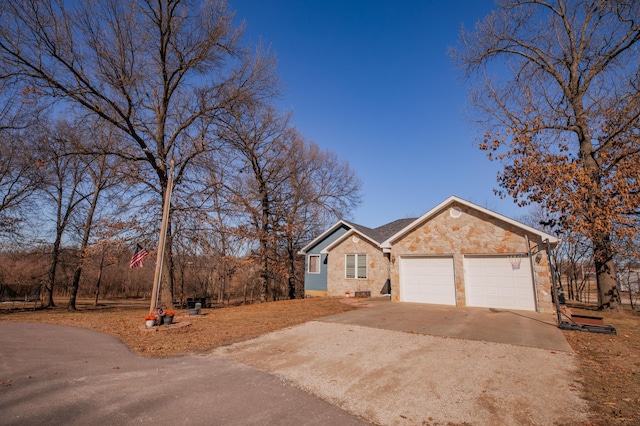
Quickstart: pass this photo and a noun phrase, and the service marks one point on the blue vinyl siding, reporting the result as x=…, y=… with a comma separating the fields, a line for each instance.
x=319, y=281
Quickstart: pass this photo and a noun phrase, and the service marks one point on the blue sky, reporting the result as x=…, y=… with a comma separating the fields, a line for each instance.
x=371, y=81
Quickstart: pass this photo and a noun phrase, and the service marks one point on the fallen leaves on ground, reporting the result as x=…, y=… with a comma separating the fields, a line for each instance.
x=214, y=328
x=610, y=368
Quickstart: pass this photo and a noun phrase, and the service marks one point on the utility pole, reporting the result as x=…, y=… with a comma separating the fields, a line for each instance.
x=161, y=242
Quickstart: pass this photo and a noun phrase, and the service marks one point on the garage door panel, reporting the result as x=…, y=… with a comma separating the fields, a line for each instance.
x=491, y=282
x=427, y=280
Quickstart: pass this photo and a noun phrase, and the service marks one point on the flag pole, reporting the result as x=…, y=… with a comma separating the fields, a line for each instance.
x=161, y=242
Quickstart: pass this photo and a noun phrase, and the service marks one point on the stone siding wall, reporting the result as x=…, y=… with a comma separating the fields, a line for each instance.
x=377, y=268
x=472, y=232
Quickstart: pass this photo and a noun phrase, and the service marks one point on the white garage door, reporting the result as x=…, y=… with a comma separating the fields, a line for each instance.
x=492, y=282
x=427, y=280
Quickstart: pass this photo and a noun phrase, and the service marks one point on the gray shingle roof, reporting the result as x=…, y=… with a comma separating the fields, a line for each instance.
x=383, y=232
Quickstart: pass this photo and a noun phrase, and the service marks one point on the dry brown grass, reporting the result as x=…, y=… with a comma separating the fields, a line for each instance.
x=214, y=328
x=610, y=368
x=609, y=364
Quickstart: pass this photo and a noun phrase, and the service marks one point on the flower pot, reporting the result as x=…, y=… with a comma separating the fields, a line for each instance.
x=150, y=323
x=167, y=319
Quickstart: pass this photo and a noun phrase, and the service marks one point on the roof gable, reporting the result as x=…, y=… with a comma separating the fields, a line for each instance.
x=326, y=234
x=389, y=241
x=346, y=235
x=374, y=236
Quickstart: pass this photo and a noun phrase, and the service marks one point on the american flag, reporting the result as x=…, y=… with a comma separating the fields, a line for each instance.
x=136, y=259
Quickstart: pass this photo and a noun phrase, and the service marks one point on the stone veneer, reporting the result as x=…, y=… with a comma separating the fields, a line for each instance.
x=377, y=268
x=473, y=232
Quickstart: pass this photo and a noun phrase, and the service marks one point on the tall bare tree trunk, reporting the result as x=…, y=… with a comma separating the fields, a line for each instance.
x=85, y=240
x=291, y=267
x=95, y=302
x=53, y=266
x=264, y=230
x=264, y=270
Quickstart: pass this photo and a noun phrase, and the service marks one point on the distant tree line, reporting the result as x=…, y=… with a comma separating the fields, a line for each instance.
x=98, y=99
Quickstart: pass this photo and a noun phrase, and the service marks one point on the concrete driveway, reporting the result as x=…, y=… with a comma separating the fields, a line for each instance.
x=410, y=364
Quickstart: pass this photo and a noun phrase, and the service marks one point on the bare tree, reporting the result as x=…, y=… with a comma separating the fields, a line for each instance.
x=288, y=188
x=19, y=109
x=18, y=181
x=160, y=72
x=562, y=113
x=573, y=254
x=221, y=231
x=628, y=265
x=63, y=188
x=257, y=137
x=103, y=175
x=319, y=189
x=107, y=248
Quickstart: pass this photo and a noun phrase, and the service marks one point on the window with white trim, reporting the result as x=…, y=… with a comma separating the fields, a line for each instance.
x=314, y=264
x=356, y=266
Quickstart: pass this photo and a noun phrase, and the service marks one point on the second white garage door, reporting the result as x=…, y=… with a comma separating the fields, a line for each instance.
x=492, y=282
x=427, y=280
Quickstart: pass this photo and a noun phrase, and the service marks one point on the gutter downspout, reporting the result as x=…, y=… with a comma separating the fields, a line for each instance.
x=534, y=279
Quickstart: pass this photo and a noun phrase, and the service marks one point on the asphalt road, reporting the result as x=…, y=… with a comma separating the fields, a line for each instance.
x=57, y=375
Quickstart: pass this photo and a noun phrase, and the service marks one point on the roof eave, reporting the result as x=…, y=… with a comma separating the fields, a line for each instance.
x=543, y=235
x=322, y=236
x=346, y=235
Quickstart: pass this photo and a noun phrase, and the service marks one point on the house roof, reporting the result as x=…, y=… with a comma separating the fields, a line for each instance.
x=387, y=243
x=349, y=233
x=384, y=236
x=324, y=235
x=383, y=232
x=375, y=236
